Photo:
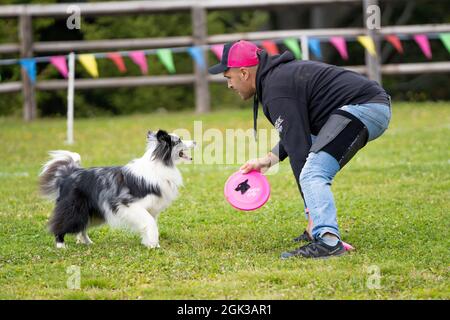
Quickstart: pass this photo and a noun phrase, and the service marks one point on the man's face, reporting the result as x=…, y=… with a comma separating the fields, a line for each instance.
x=241, y=80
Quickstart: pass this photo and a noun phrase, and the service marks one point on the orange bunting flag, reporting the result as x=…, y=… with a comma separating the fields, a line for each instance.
x=395, y=41
x=118, y=61
x=270, y=47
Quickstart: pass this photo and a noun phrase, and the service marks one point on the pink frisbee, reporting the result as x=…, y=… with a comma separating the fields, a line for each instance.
x=247, y=191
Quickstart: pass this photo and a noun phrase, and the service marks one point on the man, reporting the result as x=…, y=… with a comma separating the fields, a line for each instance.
x=324, y=115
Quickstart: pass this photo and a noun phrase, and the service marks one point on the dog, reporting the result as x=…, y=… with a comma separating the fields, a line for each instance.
x=130, y=196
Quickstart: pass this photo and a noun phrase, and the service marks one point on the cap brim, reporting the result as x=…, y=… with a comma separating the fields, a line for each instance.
x=218, y=68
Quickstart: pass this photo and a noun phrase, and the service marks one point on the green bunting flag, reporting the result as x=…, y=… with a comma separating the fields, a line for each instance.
x=292, y=45
x=445, y=38
x=165, y=56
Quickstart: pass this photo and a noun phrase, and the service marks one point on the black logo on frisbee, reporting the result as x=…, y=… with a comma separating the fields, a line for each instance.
x=243, y=187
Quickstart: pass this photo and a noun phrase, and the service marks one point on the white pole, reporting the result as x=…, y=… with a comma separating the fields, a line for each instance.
x=70, y=93
x=305, y=48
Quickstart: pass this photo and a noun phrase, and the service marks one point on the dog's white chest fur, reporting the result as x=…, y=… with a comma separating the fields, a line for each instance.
x=168, y=180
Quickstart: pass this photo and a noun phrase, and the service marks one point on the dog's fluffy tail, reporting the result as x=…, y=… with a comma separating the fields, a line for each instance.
x=61, y=164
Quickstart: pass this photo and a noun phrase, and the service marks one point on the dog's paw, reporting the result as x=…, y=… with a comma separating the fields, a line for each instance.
x=60, y=245
x=151, y=245
x=86, y=242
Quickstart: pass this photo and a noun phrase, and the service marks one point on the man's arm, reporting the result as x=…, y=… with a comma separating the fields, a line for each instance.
x=279, y=151
x=261, y=164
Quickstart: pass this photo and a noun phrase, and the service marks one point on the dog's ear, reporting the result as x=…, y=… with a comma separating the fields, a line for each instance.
x=163, y=136
x=151, y=136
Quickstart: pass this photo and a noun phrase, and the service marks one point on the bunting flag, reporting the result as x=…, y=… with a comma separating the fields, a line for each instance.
x=395, y=41
x=424, y=44
x=340, y=45
x=445, y=38
x=368, y=44
x=314, y=46
x=165, y=56
x=118, y=61
x=197, y=54
x=60, y=64
x=139, y=58
x=270, y=47
x=29, y=65
x=89, y=63
x=217, y=49
x=292, y=45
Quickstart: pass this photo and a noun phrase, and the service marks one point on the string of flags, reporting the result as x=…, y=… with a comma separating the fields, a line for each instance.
x=165, y=56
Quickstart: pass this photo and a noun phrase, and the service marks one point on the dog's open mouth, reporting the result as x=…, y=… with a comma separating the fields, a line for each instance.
x=184, y=156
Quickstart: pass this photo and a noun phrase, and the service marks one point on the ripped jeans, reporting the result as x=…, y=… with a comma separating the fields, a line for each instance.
x=320, y=169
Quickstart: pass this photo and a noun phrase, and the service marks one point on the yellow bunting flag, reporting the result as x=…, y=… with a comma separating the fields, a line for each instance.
x=89, y=63
x=368, y=43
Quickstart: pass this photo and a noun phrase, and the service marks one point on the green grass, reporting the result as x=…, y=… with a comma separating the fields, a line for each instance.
x=392, y=198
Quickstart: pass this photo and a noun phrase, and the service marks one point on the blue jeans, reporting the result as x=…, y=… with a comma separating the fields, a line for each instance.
x=320, y=169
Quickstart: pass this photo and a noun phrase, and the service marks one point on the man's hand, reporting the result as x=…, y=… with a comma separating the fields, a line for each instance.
x=260, y=164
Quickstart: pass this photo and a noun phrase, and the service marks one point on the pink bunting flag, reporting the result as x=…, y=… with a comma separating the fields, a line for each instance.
x=424, y=44
x=270, y=47
x=395, y=41
x=60, y=64
x=138, y=57
x=118, y=61
x=218, y=50
x=340, y=45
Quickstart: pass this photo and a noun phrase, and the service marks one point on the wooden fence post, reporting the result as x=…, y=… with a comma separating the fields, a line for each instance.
x=372, y=63
x=199, y=30
x=26, y=51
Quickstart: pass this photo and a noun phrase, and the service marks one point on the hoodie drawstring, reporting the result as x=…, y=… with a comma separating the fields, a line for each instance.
x=255, y=115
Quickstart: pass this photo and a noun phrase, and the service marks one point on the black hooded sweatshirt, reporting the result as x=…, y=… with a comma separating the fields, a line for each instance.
x=299, y=96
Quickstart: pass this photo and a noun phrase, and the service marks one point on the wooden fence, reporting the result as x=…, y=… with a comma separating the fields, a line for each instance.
x=199, y=9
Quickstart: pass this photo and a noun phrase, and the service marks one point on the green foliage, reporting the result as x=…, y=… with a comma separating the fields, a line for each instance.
x=392, y=201
x=126, y=100
x=148, y=99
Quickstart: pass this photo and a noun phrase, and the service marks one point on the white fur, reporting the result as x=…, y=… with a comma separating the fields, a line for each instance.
x=61, y=155
x=141, y=216
x=55, y=156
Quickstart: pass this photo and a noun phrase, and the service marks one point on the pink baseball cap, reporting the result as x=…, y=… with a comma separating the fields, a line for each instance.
x=235, y=55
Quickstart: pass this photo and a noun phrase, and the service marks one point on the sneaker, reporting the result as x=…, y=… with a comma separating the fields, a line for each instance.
x=316, y=250
x=303, y=237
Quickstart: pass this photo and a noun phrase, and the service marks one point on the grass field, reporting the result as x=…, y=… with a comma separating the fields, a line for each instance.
x=393, y=203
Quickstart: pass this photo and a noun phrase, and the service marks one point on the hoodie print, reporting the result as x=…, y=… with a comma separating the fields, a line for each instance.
x=278, y=125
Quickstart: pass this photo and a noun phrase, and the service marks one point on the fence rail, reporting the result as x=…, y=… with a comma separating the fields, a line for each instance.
x=149, y=43
x=198, y=10
x=137, y=7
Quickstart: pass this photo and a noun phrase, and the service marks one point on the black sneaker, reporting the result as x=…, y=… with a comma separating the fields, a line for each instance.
x=303, y=237
x=316, y=250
